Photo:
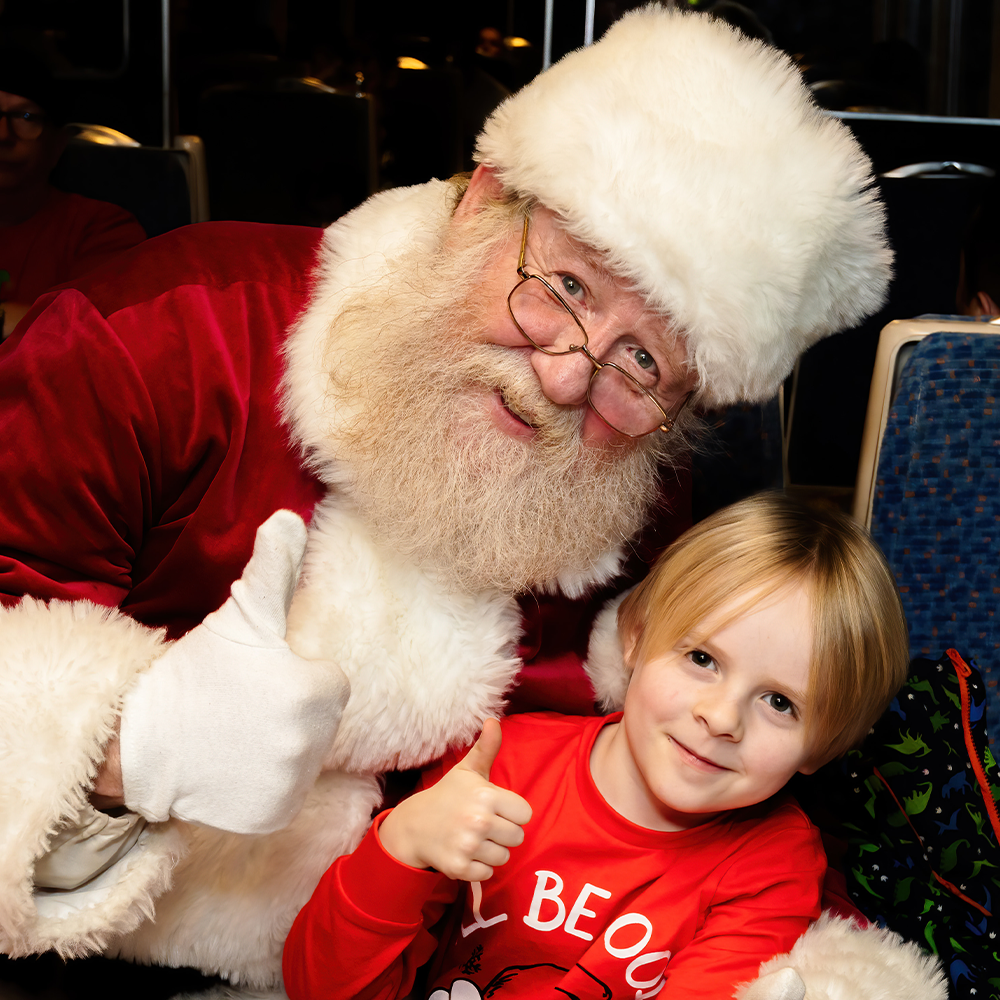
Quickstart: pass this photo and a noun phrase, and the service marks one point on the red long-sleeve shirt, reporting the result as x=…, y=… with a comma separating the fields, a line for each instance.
x=588, y=902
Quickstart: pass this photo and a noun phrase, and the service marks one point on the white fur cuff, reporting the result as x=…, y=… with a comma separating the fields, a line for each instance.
x=63, y=669
x=605, y=664
x=838, y=960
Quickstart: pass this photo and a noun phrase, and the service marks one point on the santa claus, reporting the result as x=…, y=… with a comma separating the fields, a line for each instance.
x=475, y=392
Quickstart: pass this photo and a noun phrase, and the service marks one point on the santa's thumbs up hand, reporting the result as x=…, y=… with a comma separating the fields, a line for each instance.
x=229, y=727
x=464, y=826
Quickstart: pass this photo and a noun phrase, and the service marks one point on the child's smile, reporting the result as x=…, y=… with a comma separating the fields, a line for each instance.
x=718, y=722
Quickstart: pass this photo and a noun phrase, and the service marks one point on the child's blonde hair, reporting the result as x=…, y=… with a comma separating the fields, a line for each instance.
x=762, y=545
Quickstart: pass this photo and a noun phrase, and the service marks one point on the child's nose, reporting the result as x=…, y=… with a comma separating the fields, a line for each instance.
x=721, y=715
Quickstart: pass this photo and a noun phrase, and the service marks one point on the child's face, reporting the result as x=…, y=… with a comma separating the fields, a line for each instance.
x=719, y=723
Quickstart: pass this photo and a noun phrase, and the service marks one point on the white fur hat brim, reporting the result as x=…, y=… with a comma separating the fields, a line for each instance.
x=696, y=160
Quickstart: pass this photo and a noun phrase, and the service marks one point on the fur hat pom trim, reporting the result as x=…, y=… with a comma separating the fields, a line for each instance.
x=605, y=664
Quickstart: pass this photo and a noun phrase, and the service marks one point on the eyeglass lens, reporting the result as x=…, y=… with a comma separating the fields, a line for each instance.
x=547, y=322
x=621, y=403
x=24, y=124
x=550, y=326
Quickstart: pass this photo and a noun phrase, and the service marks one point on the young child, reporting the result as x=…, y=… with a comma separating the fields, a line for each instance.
x=646, y=852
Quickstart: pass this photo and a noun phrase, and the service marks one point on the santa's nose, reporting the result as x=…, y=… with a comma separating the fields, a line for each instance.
x=564, y=378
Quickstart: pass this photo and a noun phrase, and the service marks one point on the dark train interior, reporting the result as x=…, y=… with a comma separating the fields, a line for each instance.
x=295, y=111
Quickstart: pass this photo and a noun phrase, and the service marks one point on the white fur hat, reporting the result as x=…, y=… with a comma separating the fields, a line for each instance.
x=695, y=159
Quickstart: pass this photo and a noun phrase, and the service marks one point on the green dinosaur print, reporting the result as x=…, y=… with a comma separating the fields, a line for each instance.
x=922, y=761
x=902, y=892
x=977, y=817
x=938, y=721
x=910, y=745
x=872, y=785
x=949, y=856
x=978, y=866
x=863, y=881
x=924, y=687
x=893, y=768
x=929, y=929
x=917, y=802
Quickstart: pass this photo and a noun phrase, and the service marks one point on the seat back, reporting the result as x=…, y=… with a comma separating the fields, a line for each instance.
x=290, y=151
x=933, y=501
x=927, y=218
x=162, y=188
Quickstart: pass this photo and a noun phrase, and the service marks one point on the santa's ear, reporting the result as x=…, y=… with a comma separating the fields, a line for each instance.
x=484, y=186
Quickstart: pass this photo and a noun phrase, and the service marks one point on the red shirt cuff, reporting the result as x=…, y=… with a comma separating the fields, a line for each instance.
x=389, y=887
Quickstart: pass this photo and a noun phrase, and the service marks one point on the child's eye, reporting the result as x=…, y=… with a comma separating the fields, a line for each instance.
x=780, y=703
x=701, y=659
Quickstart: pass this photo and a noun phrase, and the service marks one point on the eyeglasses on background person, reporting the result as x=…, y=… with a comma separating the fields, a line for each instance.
x=25, y=124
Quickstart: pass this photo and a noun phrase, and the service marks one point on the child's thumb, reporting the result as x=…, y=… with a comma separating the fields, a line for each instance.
x=484, y=751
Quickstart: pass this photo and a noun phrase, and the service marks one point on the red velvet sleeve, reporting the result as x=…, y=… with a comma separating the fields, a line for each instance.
x=78, y=487
x=139, y=412
x=367, y=928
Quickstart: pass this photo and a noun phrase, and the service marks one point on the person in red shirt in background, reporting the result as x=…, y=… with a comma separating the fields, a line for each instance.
x=47, y=236
x=646, y=850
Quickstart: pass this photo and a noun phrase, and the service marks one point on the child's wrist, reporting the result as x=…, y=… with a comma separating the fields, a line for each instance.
x=392, y=837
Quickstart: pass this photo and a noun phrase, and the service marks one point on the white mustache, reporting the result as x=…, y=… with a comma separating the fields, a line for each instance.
x=509, y=372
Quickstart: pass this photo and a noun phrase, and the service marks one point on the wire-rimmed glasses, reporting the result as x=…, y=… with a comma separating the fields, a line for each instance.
x=614, y=395
x=25, y=124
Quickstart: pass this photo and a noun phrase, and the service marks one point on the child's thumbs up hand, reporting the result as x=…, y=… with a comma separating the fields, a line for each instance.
x=484, y=751
x=463, y=826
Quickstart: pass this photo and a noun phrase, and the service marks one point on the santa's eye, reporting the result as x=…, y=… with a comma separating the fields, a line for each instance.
x=571, y=286
x=644, y=359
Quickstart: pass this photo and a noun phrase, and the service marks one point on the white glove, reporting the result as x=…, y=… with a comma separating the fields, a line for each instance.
x=229, y=727
x=86, y=846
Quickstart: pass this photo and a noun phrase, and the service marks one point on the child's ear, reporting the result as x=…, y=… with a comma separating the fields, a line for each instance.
x=629, y=643
x=814, y=765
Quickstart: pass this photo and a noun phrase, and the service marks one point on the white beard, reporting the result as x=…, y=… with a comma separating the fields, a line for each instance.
x=448, y=489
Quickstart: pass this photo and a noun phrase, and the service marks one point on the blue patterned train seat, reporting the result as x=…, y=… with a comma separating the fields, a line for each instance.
x=936, y=500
